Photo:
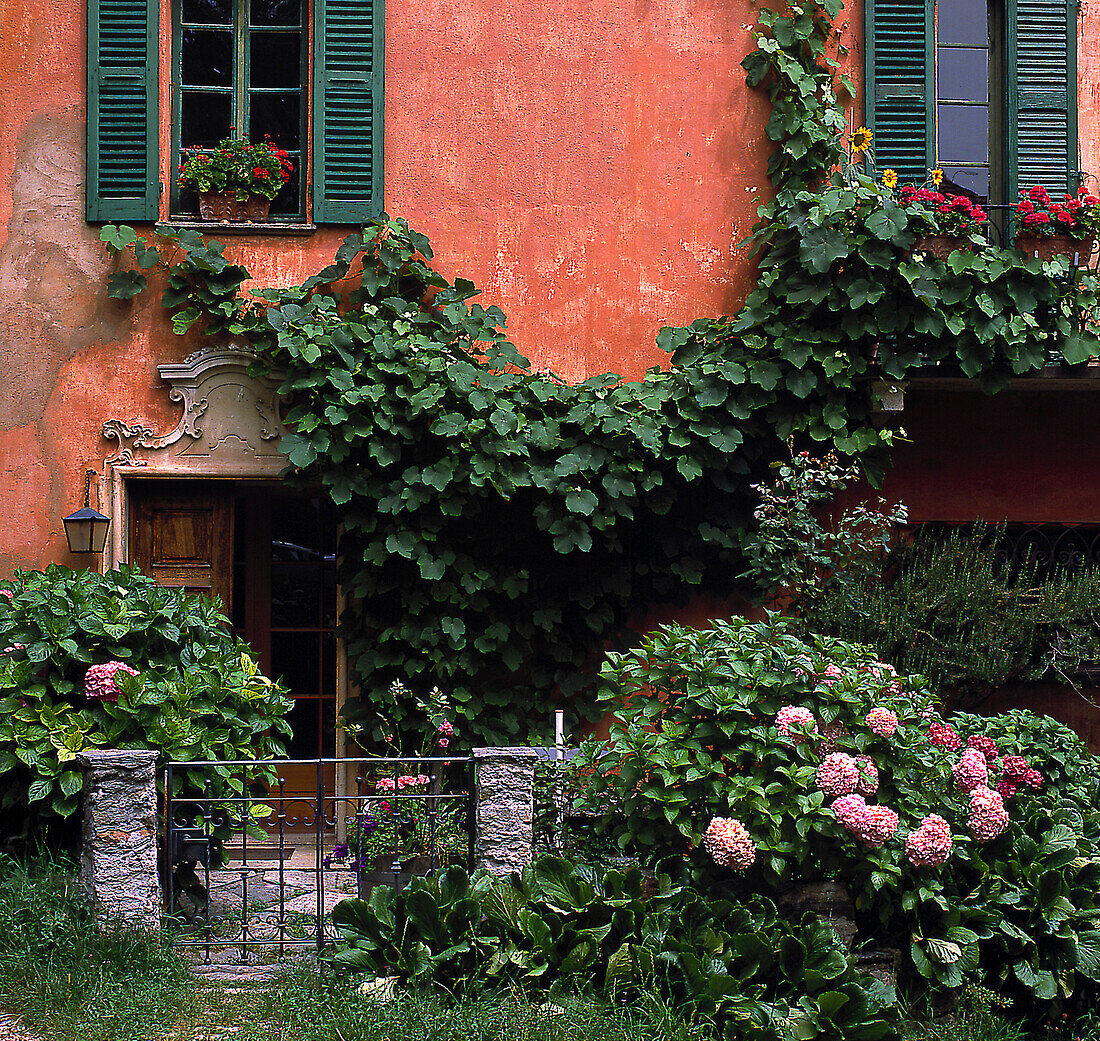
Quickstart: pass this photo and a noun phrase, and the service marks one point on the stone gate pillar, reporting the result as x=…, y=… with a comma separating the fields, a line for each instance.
x=505, y=808
x=118, y=858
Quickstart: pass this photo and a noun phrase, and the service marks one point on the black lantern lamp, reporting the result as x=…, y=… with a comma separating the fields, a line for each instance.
x=86, y=530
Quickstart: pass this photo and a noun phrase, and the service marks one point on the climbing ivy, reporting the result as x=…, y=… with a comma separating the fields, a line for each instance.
x=500, y=526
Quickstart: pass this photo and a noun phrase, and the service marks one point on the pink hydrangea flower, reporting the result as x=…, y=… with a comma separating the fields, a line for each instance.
x=872, y=825
x=930, y=844
x=6, y=594
x=971, y=771
x=13, y=648
x=1014, y=768
x=795, y=723
x=880, y=826
x=100, y=683
x=1006, y=789
x=831, y=675
x=882, y=721
x=1033, y=779
x=988, y=816
x=838, y=774
x=944, y=735
x=985, y=745
x=728, y=844
x=446, y=729
x=867, y=784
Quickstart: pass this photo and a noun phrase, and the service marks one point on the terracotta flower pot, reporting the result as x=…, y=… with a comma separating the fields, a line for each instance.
x=941, y=246
x=1049, y=247
x=225, y=208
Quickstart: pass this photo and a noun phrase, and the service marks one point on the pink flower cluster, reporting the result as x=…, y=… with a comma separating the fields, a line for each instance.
x=386, y=784
x=838, y=774
x=13, y=648
x=831, y=675
x=1015, y=774
x=930, y=844
x=882, y=721
x=944, y=735
x=446, y=729
x=988, y=816
x=971, y=770
x=7, y=593
x=872, y=825
x=985, y=745
x=795, y=723
x=728, y=844
x=868, y=776
x=100, y=683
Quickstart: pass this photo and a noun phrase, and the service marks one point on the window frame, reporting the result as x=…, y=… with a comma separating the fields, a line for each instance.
x=241, y=28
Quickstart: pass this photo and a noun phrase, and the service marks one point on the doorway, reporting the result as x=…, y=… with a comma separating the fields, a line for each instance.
x=269, y=554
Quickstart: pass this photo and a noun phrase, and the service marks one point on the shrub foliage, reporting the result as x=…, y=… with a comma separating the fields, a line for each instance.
x=197, y=693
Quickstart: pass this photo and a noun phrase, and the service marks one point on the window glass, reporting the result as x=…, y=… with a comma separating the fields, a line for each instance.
x=963, y=74
x=962, y=22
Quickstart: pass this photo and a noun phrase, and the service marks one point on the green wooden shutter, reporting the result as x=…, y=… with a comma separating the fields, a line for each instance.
x=123, y=179
x=347, y=110
x=1042, y=96
x=900, y=91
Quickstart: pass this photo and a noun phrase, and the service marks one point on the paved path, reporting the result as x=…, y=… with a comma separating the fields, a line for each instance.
x=11, y=1029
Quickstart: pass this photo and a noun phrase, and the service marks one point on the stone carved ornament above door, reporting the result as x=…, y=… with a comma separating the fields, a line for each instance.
x=230, y=426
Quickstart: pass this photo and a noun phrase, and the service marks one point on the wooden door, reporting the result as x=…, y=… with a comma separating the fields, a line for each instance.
x=181, y=534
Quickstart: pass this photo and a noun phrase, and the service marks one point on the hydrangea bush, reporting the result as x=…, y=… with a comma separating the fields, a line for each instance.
x=116, y=661
x=971, y=843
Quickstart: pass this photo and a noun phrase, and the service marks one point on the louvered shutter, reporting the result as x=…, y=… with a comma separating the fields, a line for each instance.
x=123, y=182
x=1042, y=96
x=347, y=110
x=900, y=91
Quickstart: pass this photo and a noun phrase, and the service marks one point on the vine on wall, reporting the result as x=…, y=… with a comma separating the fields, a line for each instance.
x=501, y=526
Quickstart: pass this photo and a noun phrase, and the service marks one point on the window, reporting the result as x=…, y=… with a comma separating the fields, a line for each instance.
x=238, y=66
x=240, y=70
x=983, y=89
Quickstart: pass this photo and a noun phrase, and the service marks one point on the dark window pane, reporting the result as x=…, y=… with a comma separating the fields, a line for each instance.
x=305, y=720
x=295, y=529
x=216, y=12
x=328, y=666
x=962, y=74
x=276, y=60
x=207, y=57
x=205, y=120
x=296, y=659
x=276, y=116
x=328, y=596
x=972, y=182
x=963, y=133
x=295, y=594
x=963, y=21
x=276, y=12
x=288, y=201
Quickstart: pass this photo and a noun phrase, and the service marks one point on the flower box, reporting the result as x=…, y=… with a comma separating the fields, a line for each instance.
x=225, y=207
x=942, y=246
x=1047, y=247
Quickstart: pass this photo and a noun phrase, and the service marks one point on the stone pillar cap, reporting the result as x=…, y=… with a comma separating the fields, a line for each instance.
x=118, y=756
x=508, y=752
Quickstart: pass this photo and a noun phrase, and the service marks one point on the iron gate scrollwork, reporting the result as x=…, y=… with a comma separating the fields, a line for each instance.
x=251, y=865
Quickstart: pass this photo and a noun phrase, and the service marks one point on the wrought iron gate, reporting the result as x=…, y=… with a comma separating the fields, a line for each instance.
x=253, y=867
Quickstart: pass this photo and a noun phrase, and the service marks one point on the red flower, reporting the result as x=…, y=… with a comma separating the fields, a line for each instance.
x=1039, y=194
x=1025, y=207
x=259, y=172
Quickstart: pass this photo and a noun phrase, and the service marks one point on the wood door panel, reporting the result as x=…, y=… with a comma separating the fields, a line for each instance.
x=181, y=535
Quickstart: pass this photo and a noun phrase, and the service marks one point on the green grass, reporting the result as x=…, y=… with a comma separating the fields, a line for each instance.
x=66, y=979
x=308, y=1009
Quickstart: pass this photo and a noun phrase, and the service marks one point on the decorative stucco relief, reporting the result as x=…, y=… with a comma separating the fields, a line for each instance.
x=230, y=425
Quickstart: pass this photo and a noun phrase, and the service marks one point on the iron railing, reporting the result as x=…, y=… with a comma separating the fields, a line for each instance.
x=254, y=862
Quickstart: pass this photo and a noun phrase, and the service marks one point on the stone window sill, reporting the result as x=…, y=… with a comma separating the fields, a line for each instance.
x=209, y=227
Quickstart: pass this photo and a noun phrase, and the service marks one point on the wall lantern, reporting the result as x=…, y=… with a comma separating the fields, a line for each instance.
x=86, y=530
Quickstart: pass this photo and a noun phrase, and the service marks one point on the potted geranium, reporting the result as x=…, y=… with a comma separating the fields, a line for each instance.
x=943, y=223
x=1047, y=228
x=237, y=180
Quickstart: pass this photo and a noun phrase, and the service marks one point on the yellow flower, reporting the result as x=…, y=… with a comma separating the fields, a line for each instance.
x=937, y=177
x=861, y=140
x=890, y=178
